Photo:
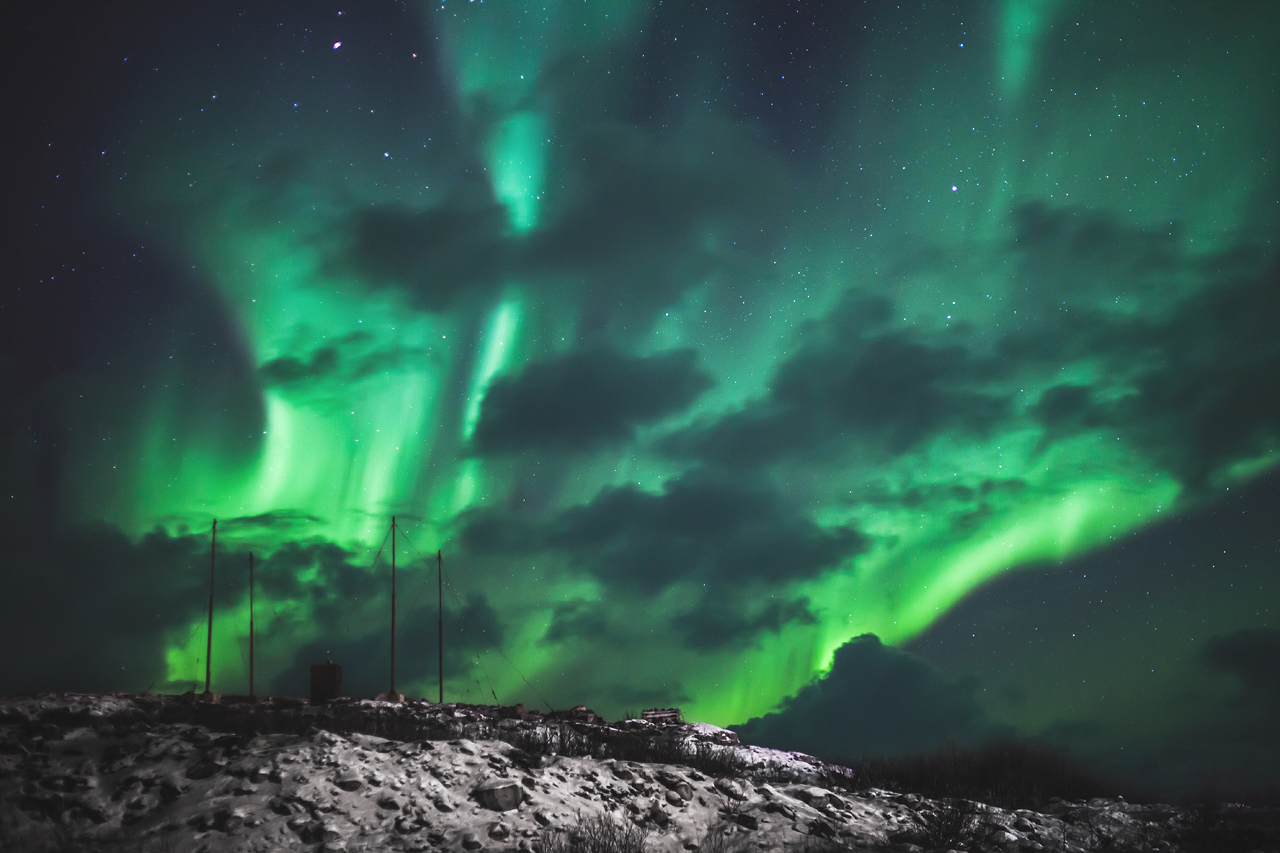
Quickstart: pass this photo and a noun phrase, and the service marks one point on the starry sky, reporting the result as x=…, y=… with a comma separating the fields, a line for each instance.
x=865, y=375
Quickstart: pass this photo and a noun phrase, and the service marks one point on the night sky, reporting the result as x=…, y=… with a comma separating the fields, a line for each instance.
x=869, y=374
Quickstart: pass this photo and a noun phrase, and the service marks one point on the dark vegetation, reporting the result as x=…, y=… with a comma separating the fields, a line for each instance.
x=952, y=823
x=604, y=835
x=600, y=834
x=1011, y=776
x=1218, y=827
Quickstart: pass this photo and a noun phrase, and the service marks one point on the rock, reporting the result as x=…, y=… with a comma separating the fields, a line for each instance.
x=232, y=819
x=669, y=779
x=782, y=809
x=91, y=811
x=349, y=780
x=471, y=841
x=1003, y=837
x=734, y=789
x=330, y=832
x=499, y=832
x=822, y=829
x=542, y=818
x=389, y=802
x=658, y=816
x=817, y=797
x=748, y=820
x=675, y=799
x=676, y=784
x=500, y=795
x=205, y=769
x=172, y=788
x=333, y=847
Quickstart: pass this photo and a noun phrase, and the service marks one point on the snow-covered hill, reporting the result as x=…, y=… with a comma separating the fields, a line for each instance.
x=117, y=772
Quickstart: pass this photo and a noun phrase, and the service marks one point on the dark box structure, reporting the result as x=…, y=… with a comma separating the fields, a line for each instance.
x=326, y=682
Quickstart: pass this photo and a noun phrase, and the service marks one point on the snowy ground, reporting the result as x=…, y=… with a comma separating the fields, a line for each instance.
x=120, y=772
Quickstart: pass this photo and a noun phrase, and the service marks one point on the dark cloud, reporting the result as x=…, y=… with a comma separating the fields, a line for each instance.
x=637, y=697
x=90, y=608
x=716, y=623
x=1192, y=379
x=1190, y=376
x=852, y=379
x=714, y=531
x=277, y=519
x=436, y=255
x=1079, y=254
x=1252, y=655
x=635, y=222
x=1215, y=398
x=285, y=370
x=1196, y=389
x=876, y=700
x=578, y=619
x=365, y=655
x=583, y=399
x=349, y=357
x=643, y=218
x=734, y=542
x=324, y=574
x=488, y=530
x=890, y=388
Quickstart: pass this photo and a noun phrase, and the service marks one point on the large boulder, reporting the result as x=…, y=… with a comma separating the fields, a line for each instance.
x=350, y=780
x=734, y=789
x=500, y=795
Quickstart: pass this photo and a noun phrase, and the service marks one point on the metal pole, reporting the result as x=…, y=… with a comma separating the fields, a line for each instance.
x=208, y=654
x=393, y=607
x=440, y=585
x=251, y=623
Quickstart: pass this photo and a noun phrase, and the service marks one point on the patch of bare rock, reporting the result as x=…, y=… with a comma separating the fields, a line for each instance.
x=158, y=773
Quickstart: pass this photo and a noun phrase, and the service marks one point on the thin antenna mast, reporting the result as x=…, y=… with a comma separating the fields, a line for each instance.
x=440, y=585
x=208, y=654
x=251, y=623
x=392, y=692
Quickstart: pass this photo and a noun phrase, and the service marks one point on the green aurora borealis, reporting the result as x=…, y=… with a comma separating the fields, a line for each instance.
x=700, y=341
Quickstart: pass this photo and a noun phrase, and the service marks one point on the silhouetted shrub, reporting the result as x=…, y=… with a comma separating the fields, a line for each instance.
x=952, y=823
x=600, y=834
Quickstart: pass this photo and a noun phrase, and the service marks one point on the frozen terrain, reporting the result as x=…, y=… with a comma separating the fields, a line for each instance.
x=116, y=772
